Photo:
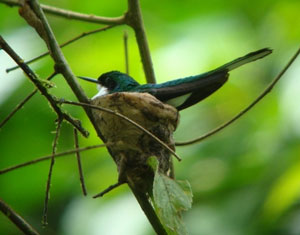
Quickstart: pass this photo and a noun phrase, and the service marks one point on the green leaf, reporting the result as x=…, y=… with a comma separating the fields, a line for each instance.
x=171, y=197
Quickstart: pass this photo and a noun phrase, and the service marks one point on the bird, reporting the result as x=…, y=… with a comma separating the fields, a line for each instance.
x=180, y=93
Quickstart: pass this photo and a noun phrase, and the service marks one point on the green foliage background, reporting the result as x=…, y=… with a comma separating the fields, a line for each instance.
x=245, y=180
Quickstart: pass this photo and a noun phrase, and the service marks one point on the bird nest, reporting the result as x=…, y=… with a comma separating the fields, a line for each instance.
x=130, y=146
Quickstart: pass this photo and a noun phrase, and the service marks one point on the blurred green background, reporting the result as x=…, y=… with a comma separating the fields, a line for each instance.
x=245, y=179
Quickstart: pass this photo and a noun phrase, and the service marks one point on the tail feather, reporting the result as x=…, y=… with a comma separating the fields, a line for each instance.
x=246, y=59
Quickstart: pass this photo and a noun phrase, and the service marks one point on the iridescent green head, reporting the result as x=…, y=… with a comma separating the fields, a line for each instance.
x=111, y=82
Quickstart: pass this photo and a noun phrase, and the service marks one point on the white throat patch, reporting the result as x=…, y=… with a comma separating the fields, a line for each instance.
x=101, y=91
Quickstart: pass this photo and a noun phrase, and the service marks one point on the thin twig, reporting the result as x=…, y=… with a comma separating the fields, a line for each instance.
x=22, y=103
x=17, y=108
x=38, y=83
x=45, y=212
x=135, y=20
x=17, y=219
x=73, y=15
x=125, y=38
x=111, y=187
x=68, y=152
x=82, y=35
x=126, y=119
x=81, y=178
x=262, y=95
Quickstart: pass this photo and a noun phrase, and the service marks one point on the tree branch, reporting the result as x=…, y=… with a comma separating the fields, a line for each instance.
x=107, y=190
x=135, y=20
x=8, y=169
x=73, y=15
x=126, y=57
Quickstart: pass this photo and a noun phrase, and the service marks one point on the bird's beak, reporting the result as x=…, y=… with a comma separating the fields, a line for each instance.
x=88, y=79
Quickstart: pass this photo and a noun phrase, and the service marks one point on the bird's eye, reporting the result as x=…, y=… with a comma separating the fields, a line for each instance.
x=110, y=83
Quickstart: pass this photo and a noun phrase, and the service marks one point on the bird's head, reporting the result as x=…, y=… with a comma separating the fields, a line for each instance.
x=111, y=82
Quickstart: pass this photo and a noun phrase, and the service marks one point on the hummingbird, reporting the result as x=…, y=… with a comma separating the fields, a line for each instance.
x=180, y=93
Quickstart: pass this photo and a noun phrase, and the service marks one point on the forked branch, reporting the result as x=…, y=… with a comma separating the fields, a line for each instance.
x=41, y=87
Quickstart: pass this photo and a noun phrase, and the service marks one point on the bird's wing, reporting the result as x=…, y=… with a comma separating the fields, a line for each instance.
x=186, y=93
